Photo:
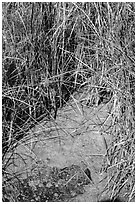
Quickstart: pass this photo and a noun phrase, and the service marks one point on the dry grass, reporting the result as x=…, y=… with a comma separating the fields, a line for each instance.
x=51, y=50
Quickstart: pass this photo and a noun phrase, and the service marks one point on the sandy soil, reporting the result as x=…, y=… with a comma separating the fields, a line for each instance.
x=76, y=137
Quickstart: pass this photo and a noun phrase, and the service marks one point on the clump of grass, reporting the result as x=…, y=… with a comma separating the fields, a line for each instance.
x=51, y=50
x=120, y=157
x=38, y=70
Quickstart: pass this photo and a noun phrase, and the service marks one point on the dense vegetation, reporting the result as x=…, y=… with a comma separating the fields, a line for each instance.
x=51, y=50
